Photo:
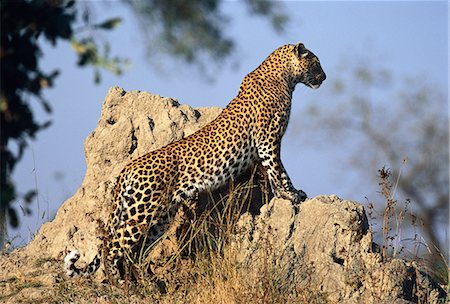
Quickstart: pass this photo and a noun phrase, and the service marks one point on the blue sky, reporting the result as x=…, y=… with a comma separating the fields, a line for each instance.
x=410, y=38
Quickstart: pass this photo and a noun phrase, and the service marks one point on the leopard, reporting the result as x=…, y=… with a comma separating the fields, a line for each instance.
x=151, y=188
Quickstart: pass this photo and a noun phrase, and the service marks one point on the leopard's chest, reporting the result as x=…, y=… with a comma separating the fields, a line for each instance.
x=227, y=165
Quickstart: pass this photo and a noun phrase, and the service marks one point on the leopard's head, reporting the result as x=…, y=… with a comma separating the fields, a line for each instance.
x=306, y=67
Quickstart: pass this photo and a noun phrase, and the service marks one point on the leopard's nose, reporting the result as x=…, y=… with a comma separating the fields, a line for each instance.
x=321, y=77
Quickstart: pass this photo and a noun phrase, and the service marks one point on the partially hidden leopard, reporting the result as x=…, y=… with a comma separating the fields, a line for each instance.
x=151, y=188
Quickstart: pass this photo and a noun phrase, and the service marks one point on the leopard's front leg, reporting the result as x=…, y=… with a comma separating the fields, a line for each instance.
x=280, y=182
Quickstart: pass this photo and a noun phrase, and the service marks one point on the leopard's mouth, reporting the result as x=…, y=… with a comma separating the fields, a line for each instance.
x=313, y=86
x=315, y=82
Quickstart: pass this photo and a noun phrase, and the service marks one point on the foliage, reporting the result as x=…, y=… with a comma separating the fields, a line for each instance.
x=24, y=27
x=194, y=30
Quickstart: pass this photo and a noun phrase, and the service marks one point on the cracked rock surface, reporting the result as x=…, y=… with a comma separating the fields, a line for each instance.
x=131, y=124
x=323, y=243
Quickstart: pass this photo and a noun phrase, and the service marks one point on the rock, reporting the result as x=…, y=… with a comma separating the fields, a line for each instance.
x=323, y=245
x=131, y=124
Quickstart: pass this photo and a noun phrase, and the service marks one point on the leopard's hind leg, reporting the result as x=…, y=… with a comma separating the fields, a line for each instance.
x=145, y=226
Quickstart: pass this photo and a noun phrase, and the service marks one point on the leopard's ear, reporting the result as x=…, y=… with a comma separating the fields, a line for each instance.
x=301, y=51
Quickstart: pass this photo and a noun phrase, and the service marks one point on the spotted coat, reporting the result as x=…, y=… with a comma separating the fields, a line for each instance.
x=151, y=188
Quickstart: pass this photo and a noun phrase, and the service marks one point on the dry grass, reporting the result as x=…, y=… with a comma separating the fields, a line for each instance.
x=205, y=268
x=200, y=265
x=392, y=243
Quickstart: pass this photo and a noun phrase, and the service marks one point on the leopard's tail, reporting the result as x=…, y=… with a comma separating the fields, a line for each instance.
x=72, y=271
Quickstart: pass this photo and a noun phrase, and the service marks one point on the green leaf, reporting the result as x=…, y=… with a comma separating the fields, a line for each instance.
x=79, y=48
x=110, y=23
